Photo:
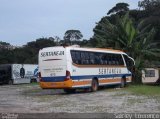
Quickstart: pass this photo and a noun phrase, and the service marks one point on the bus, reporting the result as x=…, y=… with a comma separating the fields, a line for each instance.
x=18, y=73
x=74, y=67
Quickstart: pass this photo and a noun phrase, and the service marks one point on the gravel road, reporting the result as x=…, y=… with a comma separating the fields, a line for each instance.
x=28, y=98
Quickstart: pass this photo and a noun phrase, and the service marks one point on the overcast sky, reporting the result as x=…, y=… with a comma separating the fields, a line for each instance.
x=22, y=21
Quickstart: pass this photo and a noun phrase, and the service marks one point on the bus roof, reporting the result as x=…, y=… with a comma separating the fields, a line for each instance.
x=90, y=49
x=106, y=49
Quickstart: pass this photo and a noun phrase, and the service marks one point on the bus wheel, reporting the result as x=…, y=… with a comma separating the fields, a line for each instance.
x=69, y=90
x=10, y=82
x=123, y=83
x=94, y=85
x=33, y=81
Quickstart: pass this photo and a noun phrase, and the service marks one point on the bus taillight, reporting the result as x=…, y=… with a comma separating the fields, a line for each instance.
x=68, y=75
x=39, y=75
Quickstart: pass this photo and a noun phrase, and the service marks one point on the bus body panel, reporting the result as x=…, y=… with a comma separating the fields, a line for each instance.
x=52, y=66
x=80, y=75
x=106, y=75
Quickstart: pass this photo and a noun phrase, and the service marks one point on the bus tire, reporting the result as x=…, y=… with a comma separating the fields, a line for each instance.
x=69, y=91
x=33, y=81
x=10, y=82
x=123, y=82
x=94, y=85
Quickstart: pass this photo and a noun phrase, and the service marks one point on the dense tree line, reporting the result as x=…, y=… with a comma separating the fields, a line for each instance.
x=27, y=53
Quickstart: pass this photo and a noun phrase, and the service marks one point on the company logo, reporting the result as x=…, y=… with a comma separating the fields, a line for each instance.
x=54, y=53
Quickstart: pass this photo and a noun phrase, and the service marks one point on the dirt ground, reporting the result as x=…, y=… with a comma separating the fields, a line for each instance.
x=28, y=98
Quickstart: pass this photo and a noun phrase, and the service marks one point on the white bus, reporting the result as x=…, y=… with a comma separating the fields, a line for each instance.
x=69, y=68
x=18, y=73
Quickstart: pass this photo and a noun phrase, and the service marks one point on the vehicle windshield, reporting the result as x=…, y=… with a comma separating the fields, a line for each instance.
x=129, y=62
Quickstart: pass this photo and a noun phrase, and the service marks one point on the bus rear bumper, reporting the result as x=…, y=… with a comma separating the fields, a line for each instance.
x=56, y=85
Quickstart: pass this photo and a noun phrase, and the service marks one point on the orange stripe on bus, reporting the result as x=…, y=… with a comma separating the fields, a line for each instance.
x=112, y=80
x=97, y=66
x=56, y=85
x=70, y=83
x=81, y=82
x=109, y=80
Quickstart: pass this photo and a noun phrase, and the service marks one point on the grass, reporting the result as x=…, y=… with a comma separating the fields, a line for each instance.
x=150, y=91
x=145, y=90
x=26, y=84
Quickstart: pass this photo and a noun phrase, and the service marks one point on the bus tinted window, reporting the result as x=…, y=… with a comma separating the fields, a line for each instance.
x=91, y=58
x=96, y=58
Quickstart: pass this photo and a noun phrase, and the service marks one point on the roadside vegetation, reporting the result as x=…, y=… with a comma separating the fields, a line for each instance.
x=143, y=94
x=146, y=90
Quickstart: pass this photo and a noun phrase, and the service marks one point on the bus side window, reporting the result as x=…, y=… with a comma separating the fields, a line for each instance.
x=97, y=59
x=106, y=59
x=86, y=55
x=91, y=58
x=78, y=57
x=73, y=55
x=120, y=60
x=109, y=59
x=101, y=58
x=82, y=57
x=113, y=59
x=116, y=59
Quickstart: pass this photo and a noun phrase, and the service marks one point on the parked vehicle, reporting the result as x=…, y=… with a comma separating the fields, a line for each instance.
x=18, y=73
x=151, y=76
x=69, y=68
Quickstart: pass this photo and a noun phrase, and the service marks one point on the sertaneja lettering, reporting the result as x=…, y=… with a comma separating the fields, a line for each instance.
x=109, y=70
x=54, y=53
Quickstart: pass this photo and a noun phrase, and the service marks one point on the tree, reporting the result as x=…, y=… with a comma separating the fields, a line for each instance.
x=119, y=8
x=148, y=4
x=4, y=43
x=136, y=42
x=72, y=36
x=151, y=10
x=57, y=40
